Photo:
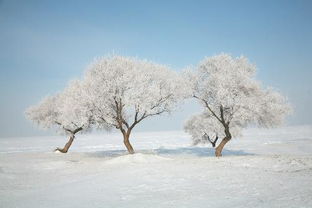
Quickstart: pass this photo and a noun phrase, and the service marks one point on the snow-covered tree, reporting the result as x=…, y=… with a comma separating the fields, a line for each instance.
x=67, y=112
x=203, y=128
x=232, y=99
x=124, y=91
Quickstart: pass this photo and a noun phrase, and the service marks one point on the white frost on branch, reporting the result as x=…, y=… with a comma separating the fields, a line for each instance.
x=125, y=90
x=45, y=113
x=227, y=89
x=67, y=111
x=116, y=92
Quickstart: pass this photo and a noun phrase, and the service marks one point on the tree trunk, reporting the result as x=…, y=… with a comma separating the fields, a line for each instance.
x=213, y=144
x=225, y=140
x=219, y=148
x=67, y=145
x=127, y=142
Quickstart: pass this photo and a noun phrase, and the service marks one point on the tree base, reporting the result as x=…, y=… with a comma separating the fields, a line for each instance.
x=67, y=145
x=218, y=151
x=60, y=150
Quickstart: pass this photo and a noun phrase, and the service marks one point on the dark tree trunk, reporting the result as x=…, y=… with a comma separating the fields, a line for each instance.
x=212, y=142
x=70, y=141
x=226, y=139
x=127, y=143
x=218, y=151
x=67, y=145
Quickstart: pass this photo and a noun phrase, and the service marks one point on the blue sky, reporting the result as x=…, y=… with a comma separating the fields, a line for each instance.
x=44, y=44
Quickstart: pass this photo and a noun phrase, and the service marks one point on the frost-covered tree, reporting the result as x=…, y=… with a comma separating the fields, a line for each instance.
x=232, y=99
x=203, y=129
x=124, y=91
x=67, y=112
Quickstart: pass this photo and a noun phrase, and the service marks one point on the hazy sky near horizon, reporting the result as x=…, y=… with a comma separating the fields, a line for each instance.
x=44, y=44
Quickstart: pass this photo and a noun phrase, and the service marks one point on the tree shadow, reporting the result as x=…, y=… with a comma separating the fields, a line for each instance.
x=181, y=151
x=199, y=152
x=107, y=153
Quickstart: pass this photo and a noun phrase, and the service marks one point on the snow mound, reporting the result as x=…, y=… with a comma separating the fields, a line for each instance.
x=57, y=152
x=137, y=158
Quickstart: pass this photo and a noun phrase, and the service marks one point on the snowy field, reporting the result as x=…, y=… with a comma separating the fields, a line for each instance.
x=265, y=168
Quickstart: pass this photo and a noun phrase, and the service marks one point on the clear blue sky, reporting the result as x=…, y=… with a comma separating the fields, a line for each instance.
x=43, y=44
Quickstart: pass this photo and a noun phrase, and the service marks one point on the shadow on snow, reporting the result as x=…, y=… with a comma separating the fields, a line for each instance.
x=182, y=151
x=199, y=151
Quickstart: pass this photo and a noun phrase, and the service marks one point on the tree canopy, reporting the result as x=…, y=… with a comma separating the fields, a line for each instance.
x=232, y=98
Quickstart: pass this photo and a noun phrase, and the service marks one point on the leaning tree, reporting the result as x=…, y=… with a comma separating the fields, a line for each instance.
x=232, y=99
x=124, y=91
x=67, y=112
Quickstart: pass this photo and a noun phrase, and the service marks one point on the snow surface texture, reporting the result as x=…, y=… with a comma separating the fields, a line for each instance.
x=265, y=168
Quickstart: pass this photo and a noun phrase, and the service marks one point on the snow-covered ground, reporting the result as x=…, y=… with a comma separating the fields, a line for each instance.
x=264, y=168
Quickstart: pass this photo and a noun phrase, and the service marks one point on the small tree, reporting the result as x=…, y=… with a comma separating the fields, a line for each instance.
x=66, y=111
x=204, y=129
x=124, y=91
x=232, y=99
